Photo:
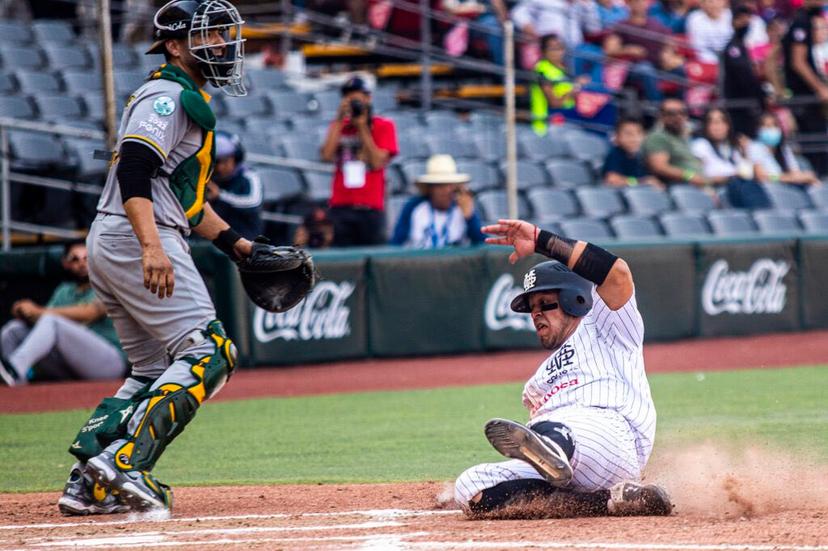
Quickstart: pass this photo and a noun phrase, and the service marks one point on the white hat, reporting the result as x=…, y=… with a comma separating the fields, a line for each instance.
x=441, y=169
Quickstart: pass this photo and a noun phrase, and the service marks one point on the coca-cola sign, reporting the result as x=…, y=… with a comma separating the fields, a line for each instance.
x=323, y=314
x=498, y=314
x=758, y=290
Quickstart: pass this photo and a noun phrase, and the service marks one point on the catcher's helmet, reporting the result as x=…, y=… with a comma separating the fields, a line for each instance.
x=198, y=19
x=575, y=292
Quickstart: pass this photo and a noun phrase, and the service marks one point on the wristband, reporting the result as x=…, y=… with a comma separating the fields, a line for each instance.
x=688, y=175
x=226, y=240
x=542, y=242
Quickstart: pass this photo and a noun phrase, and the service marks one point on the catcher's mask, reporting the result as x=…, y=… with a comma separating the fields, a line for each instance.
x=574, y=292
x=197, y=21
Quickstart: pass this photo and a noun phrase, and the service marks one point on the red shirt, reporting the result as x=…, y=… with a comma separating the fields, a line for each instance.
x=372, y=194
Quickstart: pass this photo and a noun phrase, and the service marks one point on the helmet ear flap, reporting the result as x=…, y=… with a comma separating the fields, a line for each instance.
x=574, y=303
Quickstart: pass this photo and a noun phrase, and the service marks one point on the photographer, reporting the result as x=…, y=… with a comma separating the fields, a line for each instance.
x=361, y=144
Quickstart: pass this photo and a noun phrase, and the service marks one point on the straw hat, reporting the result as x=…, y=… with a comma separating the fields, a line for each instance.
x=441, y=169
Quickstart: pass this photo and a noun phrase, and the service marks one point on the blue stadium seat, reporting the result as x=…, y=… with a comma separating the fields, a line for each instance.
x=814, y=221
x=384, y=99
x=32, y=151
x=684, y=224
x=587, y=147
x=635, y=227
x=393, y=207
x=787, y=197
x=60, y=57
x=459, y=149
x=89, y=169
x=691, y=199
x=540, y=148
x=646, y=200
x=279, y=183
x=569, y=173
x=8, y=84
x=301, y=147
x=326, y=103
x=731, y=222
x=248, y=107
x=18, y=57
x=265, y=80
x=32, y=82
x=261, y=144
x=445, y=122
x=819, y=196
x=126, y=82
x=319, y=185
x=411, y=170
x=600, y=202
x=494, y=205
x=483, y=175
x=529, y=174
x=491, y=146
x=267, y=125
x=79, y=81
x=287, y=103
x=16, y=107
x=54, y=107
x=395, y=180
x=53, y=30
x=776, y=222
x=15, y=32
x=552, y=205
x=585, y=229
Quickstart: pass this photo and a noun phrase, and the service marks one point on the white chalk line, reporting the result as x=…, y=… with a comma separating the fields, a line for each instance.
x=144, y=519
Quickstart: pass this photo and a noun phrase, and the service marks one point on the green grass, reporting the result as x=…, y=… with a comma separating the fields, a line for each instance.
x=417, y=435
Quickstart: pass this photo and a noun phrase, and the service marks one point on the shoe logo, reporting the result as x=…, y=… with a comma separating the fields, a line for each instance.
x=124, y=458
x=98, y=492
x=565, y=432
x=126, y=413
x=76, y=445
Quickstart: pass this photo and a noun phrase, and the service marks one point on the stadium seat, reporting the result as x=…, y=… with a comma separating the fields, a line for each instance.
x=301, y=147
x=459, y=149
x=59, y=57
x=319, y=185
x=279, y=183
x=15, y=32
x=600, y=202
x=287, y=103
x=8, y=85
x=52, y=107
x=411, y=170
x=17, y=57
x=731, y=222
x=79, y=81
x=149, y=63
x=494, y=205
x=786, y=197
x=94, y=103
x=32, y=151
x=529, y=174
x=483, y=175
x=587, y=147
x=689, y=198
x=126, y=82
x=124, y=58
x=16, y=107
x=234, y=127
x=540, y=148
x=53, y=30
x=326, y=103
x=444, y=122
x=89, y=169
x=405, y=120
x=32, y=82
x=266, y=125
x=568, y=173
x=684, y=224
x=635, y=227
x=819, y=196
x=776, y=222
x=261, y=144
x=585, y=229
x=552, y=205
x=646, y=200
x=395, y=180
x=393, y=207
x=265, y=80
x=490, y=146
x=248, y=107
x=384, y=99
x=814, y=221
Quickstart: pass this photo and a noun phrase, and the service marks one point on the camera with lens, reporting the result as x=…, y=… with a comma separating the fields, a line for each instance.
x=357, y=108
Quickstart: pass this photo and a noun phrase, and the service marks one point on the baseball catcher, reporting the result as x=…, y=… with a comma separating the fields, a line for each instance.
x=591, y=418
x=141, y=269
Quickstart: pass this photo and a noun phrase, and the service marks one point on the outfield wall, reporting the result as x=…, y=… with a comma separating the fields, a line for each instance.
x=393, y=302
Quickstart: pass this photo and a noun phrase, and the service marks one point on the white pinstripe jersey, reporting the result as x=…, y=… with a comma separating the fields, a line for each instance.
x=600, y=365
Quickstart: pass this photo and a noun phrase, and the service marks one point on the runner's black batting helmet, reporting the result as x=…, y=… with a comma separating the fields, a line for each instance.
x=574, y=292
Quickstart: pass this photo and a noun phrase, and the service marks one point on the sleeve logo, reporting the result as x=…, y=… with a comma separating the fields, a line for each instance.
x=529, y=280
x=164, y=106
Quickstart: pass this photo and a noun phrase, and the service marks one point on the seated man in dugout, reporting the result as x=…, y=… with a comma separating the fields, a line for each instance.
x=69, y=338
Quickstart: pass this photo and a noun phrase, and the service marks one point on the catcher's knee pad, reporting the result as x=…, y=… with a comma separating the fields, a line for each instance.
x=172, y=405
x=558, y=433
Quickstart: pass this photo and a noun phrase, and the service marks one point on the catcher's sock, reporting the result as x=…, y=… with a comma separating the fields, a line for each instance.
x=558, y=433
x=510, y=491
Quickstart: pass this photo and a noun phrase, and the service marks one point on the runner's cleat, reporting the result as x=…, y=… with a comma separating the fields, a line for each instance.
x=520, y=442
x=138, y=489
x=82, y=496
x=634, y=499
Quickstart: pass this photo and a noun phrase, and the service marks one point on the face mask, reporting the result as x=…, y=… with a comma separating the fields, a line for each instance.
x=770, y=136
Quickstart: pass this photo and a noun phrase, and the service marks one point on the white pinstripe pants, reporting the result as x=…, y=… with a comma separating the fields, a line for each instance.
x=605, y=454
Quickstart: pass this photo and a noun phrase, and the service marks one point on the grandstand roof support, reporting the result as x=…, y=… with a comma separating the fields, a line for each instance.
x=107, y=78
x=511, y=131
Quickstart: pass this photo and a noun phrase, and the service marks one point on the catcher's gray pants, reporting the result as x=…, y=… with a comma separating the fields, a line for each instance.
x=61, y=348
x=154, y=332
x=605, y=454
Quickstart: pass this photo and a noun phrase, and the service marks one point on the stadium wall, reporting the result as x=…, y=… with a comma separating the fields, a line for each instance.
x=392, y=302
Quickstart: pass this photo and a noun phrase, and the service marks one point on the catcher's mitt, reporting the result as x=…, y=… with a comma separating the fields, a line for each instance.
x=276, y=278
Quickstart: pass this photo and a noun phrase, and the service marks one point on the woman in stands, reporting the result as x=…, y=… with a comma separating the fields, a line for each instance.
x=774, y=158
x=725, y=162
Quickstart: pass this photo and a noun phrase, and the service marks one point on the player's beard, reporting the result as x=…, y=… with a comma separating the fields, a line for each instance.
x=555, y=336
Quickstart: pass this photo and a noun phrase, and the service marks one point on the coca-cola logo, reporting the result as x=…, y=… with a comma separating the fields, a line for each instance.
x=758, y=290
x=321, y=315
x=498, y=312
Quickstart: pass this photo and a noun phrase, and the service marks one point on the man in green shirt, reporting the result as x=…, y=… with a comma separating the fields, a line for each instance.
x=68, y=338
x=667, y=148
x=554, y=89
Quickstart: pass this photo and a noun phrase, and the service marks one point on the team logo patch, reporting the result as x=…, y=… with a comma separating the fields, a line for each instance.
x=164, y=106
x=529, y=280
